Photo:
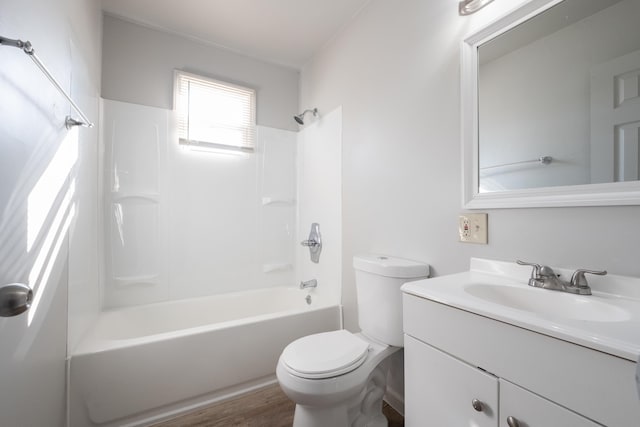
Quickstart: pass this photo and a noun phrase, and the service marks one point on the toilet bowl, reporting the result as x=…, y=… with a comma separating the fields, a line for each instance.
x=341, y=384
x=339, y=378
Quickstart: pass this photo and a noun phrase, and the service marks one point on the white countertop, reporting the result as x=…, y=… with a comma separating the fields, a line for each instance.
x=618, y=337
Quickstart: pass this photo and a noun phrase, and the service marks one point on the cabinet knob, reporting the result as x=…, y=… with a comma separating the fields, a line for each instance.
x=512, y=422
x=477, y=405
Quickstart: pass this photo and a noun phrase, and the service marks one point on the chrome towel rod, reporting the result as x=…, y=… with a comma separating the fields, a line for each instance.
x=28, y=49
x=543, y=160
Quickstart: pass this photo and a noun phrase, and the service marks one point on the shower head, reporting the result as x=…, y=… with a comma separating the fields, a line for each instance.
x=300, y=117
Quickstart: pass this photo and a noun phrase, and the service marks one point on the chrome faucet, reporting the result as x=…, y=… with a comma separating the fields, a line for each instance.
x=543, y=276
x=313, y=283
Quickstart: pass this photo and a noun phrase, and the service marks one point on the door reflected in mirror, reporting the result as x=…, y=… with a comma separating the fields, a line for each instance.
x=559, y=99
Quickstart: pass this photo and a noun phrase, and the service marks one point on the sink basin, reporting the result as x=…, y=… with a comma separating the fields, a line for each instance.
x=549, y=303
x=607, y=321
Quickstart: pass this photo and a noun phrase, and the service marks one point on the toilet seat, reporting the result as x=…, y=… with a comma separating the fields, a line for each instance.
x=325, y=355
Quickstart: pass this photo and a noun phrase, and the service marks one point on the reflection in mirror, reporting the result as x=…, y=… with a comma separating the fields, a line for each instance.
x=558, y=98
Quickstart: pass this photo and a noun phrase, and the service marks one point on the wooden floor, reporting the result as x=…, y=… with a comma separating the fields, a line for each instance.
x=268, y=407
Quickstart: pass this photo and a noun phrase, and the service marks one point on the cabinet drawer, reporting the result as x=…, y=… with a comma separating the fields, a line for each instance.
x=531, y=410
x=440, y=390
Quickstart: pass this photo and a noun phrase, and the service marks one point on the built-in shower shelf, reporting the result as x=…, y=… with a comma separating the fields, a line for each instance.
x=117, y=196
x=272, y=268
x=133, y=281
x=278, y=201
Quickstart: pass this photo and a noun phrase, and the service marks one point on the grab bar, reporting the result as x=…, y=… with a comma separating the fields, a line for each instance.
x=28, y=49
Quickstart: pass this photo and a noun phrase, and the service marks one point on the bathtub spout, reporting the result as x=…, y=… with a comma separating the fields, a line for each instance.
x=313, y=283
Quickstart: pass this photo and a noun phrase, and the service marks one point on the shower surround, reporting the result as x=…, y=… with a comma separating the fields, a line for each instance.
x=202, y=261
x=181, y=222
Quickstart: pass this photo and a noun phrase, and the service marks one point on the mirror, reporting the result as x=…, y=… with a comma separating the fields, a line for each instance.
x=551, y=106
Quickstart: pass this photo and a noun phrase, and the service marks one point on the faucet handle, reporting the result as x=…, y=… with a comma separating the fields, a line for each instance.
x=535, y=273
x=546, y=271
x=579, y=281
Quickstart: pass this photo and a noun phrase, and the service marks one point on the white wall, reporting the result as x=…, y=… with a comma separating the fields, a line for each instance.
x=396, y=72
x=85, y=254
x=183, y=222
x=139, y=63
x=47, y=199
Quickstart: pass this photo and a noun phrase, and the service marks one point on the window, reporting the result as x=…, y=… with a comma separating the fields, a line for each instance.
x=214, y=114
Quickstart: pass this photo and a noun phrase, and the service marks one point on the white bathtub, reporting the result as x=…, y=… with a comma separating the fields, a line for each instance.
x=142, y=364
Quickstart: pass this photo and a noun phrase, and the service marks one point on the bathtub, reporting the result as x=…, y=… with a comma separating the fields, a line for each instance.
x=140, y=365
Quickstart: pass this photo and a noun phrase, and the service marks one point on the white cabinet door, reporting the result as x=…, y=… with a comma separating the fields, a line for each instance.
x=529, y=410
x=440, y=390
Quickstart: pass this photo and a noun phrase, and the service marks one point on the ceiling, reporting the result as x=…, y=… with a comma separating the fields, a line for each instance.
x=287, y=32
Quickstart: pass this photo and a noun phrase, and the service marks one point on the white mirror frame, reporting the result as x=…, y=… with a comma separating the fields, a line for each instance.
x=610, y=194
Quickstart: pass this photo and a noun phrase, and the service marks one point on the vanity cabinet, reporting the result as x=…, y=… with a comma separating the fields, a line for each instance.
x=453, y=357
x=444, y=391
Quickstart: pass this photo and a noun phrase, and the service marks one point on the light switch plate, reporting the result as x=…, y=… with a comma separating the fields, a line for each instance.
x=472, y=228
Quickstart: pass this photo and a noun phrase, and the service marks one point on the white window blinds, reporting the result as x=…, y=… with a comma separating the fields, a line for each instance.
x=214, y=114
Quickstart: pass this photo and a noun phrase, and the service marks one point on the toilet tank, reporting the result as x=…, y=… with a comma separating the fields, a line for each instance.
x=378, y=282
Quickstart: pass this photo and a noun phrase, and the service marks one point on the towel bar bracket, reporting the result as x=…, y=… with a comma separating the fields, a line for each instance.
x=25, y=46
x=28, y=49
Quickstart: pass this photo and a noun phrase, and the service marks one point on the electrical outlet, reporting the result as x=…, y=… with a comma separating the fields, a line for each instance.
x=472, y=228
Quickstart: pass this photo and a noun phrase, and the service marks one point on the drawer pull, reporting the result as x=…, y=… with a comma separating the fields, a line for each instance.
x=477, y=405
x=512, y=422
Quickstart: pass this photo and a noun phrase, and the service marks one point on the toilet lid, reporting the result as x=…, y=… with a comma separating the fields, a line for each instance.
x=325, y=355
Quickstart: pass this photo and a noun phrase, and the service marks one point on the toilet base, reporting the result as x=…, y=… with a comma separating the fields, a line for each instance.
x=363, y=409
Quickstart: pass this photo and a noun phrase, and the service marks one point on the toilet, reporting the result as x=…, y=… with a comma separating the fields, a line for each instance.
x=339, y=378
